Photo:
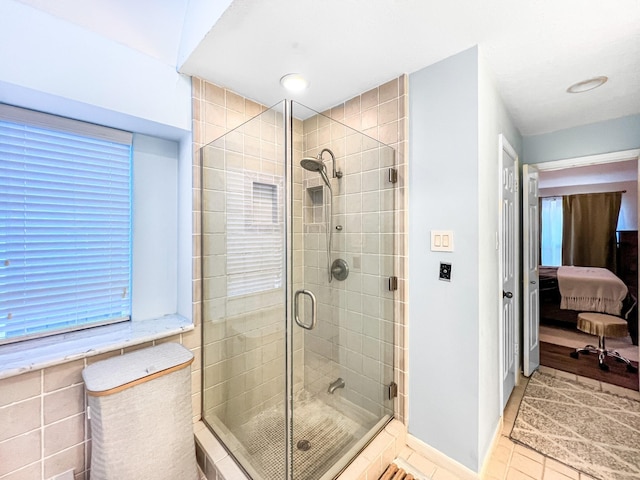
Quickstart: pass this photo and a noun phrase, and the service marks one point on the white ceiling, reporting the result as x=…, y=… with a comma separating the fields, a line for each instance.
x=536, y=48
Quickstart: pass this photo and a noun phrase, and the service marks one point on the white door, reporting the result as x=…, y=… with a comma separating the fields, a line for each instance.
x=530, y=261
x=509, y=267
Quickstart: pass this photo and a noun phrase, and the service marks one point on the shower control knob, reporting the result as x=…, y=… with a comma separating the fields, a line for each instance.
x=339, y=269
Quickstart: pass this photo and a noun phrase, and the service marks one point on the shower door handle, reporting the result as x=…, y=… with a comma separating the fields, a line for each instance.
x=314, y=310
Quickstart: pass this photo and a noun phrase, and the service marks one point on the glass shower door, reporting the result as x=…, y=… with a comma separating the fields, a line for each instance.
x=343, y=224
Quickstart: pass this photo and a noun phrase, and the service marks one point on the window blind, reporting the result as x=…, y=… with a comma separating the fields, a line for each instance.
x=255, y=251
x=65, y=238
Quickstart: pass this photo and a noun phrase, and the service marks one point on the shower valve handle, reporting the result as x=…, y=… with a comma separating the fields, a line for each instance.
x=314, y=309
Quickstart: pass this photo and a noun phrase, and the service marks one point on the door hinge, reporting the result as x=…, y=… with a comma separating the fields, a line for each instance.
x=393, y=175
x=393, y=284
x=516, y=350
x=392, y=390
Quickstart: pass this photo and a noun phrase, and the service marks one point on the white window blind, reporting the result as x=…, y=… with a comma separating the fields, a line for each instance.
x=65, y=233
x=255, y=233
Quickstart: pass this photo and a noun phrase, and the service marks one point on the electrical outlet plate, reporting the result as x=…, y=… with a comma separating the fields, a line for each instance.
x=445, y=272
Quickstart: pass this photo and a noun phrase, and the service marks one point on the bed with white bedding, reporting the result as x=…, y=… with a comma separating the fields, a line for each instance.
x=584, y=289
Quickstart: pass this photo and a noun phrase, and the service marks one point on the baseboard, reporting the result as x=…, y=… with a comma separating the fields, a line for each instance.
x=440, y=459
x=494, y=444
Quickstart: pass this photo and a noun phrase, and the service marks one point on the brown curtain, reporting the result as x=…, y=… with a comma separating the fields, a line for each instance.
x=589, y=229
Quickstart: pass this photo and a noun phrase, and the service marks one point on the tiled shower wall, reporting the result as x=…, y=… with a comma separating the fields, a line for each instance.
x=364, y=204
x=354, y=336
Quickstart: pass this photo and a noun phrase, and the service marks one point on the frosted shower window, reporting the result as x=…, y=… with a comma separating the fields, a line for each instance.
x=255, y=255
x=65, y=239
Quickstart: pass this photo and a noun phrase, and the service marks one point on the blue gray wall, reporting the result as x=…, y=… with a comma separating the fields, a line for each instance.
x=443, y=170
x=453, y=185
x=602, y=137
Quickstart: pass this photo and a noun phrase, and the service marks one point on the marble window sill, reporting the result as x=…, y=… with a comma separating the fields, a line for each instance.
x=36, y=354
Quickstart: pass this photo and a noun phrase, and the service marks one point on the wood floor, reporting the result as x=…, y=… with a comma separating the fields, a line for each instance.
x=557, y=356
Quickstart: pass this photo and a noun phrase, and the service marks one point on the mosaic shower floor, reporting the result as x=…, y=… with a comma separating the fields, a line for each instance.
x=322, y=432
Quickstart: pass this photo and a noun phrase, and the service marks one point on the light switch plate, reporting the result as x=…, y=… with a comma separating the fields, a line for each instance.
x=441, y=240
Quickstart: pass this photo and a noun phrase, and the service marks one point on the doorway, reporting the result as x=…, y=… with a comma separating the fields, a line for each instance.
x=597, y=173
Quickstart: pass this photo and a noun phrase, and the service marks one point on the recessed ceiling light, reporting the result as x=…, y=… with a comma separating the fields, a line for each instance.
x=586, y=85
x=294, y=82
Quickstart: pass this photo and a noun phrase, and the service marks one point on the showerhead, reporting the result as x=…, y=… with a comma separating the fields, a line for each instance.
x=315, y=165
x=312, y=164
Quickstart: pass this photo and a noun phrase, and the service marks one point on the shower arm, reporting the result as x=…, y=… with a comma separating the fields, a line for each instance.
x=336, y=173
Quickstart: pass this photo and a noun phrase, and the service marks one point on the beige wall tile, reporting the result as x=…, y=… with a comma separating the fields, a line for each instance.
x=369, y=99
x=213, y=93
x=64, y=434
x=72, y=458
x=352, y=107
x=19, y=451
x=369, y=118
x=215, y=114
x=234, y=120
x=63, y=375
x=172, y=339
x=389, y=90
x=20, y=387
x=337, y=112
x=388, y=111
x=192, y=338
x=63, y=403
x=234, y=102
x=30, y=472
x=19, y=418
x=137, y=347
x=103, y=356
x=252, y=108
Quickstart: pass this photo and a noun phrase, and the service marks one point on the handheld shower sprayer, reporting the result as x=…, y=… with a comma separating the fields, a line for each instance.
x=317, y=165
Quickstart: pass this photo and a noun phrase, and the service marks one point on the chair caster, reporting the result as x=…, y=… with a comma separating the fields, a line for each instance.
x=632, y=368
x=604, y=367
x=574, y=355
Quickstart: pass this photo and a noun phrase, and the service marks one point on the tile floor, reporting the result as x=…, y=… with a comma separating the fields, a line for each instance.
x=509, y=460
x=515, y=462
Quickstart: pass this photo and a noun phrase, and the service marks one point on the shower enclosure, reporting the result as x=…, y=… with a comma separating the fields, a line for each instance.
x=298, y=250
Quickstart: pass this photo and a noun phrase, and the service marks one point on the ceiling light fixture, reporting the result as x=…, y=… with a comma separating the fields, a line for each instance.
x=586, y=85
x=294, y=82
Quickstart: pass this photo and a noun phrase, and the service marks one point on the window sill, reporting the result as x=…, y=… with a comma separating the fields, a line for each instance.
x=36, y=354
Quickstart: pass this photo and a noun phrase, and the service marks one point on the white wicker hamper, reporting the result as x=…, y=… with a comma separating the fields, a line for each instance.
x=140, y=414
